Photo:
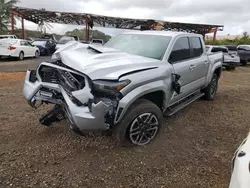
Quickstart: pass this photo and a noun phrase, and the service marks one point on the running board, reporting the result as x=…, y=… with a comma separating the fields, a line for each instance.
x=177, y=107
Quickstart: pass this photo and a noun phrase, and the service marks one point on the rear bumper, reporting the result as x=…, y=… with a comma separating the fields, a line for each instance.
x=78, y=116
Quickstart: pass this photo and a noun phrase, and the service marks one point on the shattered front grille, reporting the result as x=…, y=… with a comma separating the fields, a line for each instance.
x=68, y=80
x=49, y=74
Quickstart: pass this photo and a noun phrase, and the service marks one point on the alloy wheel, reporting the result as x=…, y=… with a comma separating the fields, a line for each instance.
x=143, y=129
x=213, y=88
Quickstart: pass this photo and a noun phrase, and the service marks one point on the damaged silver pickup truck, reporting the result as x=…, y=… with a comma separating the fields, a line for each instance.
x=125, y=86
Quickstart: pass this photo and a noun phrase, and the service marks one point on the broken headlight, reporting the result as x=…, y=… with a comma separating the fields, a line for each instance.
x=110, y=86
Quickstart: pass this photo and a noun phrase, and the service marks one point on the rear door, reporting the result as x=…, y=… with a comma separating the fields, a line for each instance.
x=200, y=61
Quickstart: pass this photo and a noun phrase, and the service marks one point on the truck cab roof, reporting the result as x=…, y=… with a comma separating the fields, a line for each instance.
x=163, y=33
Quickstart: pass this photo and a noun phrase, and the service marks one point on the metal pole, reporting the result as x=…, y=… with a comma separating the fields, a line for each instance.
x=12, y=21
x=215, y=32
x=22, y=28
x=86, y=30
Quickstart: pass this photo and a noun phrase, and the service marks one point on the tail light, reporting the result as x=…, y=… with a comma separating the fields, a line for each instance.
x=11, y=48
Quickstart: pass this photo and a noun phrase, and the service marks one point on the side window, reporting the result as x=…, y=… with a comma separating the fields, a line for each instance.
x=22, y=43
x=180, y=51
x=27, y=44
x=196, y=46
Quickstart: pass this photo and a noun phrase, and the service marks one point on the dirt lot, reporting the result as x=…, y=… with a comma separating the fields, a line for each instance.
x=194, y=151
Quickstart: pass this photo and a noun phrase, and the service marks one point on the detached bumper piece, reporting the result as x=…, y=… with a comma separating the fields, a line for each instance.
x=86, y=117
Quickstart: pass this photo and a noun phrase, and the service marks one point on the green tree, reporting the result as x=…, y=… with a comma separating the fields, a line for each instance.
x=5, y=10
x=245, y=39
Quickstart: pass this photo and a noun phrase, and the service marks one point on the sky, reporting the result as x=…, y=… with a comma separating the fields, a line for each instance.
x=233, y=14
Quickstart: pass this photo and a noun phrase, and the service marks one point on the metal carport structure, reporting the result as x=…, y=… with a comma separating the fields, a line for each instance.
x=89, y=20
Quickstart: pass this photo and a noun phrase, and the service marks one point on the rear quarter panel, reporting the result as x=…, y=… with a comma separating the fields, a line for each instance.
x=16, y=52
x=216, y=60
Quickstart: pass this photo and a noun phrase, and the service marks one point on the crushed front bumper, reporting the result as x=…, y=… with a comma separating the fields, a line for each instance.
x=79, y=117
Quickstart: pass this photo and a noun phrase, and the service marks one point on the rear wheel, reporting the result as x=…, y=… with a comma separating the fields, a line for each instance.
x=21, y=56
x=37, y=54
x=243, y=62
x=211, y=89
x=140, y=125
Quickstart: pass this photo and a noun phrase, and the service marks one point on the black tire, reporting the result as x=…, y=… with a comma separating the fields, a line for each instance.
x=37, y=54
x=211, y=89
x=21, y=56
x=243, y=62
x=139, y=110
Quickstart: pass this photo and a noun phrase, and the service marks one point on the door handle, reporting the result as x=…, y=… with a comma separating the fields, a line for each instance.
x=192, y=67
x=206, y=62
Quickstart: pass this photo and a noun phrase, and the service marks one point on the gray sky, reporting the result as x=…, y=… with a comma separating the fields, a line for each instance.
x=233, y=14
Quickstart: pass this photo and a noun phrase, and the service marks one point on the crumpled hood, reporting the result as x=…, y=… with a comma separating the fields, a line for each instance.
x=100, y=62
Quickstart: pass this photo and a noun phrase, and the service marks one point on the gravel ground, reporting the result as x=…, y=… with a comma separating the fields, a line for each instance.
x=194, y=149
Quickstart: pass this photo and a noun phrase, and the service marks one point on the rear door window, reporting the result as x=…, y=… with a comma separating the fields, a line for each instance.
x=180, y=51
x=22, y=43
x=196, y=47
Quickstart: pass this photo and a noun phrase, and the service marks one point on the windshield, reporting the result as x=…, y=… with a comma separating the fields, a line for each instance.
x=4, y=37
x=39, y=43
x=65, y=40
x=152, y=46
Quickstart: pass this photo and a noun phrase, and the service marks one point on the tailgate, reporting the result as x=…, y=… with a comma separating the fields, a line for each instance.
x=216, y=57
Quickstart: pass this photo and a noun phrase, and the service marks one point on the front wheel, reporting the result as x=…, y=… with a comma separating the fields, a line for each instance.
x=211, y=89
x=140, y=125
x=21, y=56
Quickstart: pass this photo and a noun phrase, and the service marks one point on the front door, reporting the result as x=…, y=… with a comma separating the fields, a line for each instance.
x=187, y=66
x=31, y=50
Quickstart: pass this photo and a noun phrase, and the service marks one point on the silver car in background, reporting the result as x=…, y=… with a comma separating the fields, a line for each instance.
x=230, y=60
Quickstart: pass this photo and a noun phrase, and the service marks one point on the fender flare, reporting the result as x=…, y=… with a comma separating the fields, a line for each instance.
x=213, y=69
x=135, y=94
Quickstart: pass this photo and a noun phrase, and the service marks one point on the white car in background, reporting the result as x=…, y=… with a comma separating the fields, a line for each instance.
x=8, y=37
x=18, y=48
x=241, y=166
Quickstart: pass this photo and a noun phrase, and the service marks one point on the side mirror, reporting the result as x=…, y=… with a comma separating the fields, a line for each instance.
x=175, y=84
